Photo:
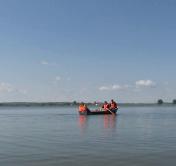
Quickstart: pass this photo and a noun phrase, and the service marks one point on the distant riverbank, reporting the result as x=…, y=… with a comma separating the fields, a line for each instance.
x=28, y=104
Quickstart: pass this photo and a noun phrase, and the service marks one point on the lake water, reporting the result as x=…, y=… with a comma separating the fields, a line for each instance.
x=58, y=136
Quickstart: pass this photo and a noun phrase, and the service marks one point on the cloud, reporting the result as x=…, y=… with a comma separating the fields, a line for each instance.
x=135, y=87
x=145, y=83
x=43, y=62
x=114, y=87
x=102, y=88
x=6, y=87
x=58, y=78
x=48, y=63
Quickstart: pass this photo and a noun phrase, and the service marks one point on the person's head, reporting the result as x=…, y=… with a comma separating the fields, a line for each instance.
x=105, y=102
x=112, y=101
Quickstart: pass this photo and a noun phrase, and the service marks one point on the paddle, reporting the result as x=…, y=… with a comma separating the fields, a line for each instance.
x=111, y=112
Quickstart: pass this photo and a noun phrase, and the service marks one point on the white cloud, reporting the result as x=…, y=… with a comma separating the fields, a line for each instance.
x=6, y=87
x=114, y=87
x=43, y=62
x=48, y=63
x=134, y=87
x=145, y=83
x=58, y=78
x=102, y=88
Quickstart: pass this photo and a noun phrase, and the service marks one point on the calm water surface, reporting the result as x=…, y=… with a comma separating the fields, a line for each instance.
x=54, y=136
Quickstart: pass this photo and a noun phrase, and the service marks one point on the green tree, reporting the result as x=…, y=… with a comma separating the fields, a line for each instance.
x=174, y=101
x=160, y=101
x=74, y=102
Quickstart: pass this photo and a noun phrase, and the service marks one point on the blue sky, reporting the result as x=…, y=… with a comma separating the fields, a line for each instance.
x=87, y=50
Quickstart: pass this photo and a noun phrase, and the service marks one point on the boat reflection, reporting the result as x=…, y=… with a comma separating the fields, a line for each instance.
x=82, y=121
x=107, y=121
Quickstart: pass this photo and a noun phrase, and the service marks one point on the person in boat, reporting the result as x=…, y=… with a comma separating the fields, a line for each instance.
x=113, y=105
x=83, y=107
x=106, y=106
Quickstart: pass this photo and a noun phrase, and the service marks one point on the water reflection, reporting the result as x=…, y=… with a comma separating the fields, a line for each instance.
x=82, y=121
x=107, y=121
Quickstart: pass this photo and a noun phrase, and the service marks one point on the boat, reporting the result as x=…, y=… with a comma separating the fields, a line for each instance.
x=98, y=112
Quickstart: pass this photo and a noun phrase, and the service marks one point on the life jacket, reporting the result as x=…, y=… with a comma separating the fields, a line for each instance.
x=113, y=105
x=106, y=107
x=82, y=108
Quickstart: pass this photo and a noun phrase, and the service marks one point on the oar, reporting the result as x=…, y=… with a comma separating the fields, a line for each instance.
x=111, y=112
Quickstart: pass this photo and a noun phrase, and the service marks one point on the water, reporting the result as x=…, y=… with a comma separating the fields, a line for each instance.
x=54, y=136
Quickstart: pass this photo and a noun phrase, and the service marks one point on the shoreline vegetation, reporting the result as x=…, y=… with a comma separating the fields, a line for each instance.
x=28, y=104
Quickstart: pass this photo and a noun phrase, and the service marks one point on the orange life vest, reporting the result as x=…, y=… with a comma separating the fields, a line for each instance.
x=82, y=108
x=113, y=105
x=106, y=107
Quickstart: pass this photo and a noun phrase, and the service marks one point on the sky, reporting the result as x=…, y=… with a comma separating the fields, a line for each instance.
x=87, y=50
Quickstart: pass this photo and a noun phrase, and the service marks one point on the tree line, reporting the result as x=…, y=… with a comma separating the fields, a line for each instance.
x=160, y=101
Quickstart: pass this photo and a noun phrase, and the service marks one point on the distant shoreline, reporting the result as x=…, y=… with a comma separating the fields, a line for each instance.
x=28, y=104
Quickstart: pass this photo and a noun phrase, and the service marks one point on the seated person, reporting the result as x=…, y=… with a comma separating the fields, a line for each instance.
x=106, y=106
x=83, y=107
x=113, y=105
